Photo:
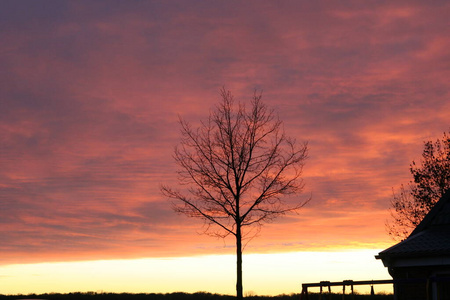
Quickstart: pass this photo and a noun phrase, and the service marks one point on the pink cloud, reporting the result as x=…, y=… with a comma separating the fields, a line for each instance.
x=90, y=100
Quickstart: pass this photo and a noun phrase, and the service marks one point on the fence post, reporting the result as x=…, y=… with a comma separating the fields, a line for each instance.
x=304, y=294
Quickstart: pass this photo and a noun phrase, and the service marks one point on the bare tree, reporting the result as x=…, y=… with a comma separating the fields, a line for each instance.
x=237, y=166
x=431, y=180
x=406, y=213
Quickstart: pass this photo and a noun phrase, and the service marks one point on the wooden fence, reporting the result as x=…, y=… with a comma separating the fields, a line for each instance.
x=344, y=284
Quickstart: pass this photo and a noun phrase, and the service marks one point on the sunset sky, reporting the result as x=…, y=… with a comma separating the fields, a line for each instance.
x=90, y=94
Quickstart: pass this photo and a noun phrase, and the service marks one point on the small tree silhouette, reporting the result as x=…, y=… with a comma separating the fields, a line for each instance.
x=431, y=180
x=238, y=164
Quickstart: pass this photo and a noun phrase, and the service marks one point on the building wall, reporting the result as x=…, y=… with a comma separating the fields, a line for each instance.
x=421, y=283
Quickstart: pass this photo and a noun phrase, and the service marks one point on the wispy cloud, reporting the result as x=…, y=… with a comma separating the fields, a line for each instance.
x=91, y=93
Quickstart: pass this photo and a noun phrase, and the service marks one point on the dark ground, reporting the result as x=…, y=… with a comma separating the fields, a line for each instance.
x=184, y=296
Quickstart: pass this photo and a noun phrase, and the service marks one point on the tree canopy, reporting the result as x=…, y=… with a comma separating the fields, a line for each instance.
x=237, y=166
x=431, y=178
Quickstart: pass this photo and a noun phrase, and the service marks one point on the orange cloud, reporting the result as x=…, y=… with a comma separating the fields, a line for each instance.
x=91, y=93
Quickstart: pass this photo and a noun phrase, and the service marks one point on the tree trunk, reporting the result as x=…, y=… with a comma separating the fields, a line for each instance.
x=239, y=289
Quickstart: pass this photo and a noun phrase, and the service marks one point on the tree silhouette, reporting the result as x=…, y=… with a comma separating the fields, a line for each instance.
x=430, y=181
x=237, y=166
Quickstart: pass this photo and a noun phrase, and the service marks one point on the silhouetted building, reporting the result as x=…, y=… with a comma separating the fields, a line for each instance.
x=420, y=265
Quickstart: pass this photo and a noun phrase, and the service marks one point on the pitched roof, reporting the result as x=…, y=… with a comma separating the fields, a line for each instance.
x=431, y=237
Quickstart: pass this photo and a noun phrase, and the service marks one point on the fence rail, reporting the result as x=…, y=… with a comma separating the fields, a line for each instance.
x=350, y=283
x=347, y=283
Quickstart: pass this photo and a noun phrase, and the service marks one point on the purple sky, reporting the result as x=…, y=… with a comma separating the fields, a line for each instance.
x=90, y=93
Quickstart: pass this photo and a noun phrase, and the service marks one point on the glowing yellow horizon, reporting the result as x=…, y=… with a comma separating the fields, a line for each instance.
x=264, y=274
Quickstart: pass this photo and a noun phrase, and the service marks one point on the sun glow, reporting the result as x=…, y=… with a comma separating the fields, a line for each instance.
x=264, y=274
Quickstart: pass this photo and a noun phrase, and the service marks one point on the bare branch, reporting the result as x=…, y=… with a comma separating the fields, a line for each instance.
x=431, y=178
x=235, y=168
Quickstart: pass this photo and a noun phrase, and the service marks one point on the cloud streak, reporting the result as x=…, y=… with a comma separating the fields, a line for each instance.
x=91, y=93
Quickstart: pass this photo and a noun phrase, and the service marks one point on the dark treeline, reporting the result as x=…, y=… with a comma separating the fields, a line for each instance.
x=185, y=296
